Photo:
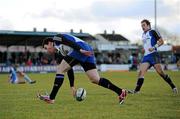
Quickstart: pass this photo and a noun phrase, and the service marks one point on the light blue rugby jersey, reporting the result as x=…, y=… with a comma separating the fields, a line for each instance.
x=13, y=75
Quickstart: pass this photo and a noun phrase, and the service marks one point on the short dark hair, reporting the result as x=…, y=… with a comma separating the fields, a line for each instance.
x=47, y=40
x=146, y=21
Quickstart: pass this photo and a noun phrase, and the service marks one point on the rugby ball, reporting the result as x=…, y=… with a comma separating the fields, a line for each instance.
x=80, y=94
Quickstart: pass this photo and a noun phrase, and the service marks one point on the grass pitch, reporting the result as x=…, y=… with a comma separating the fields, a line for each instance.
x=156, y=100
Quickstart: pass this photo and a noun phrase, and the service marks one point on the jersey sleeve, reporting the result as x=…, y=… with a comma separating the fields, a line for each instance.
x=60, y=39
x=156, y=35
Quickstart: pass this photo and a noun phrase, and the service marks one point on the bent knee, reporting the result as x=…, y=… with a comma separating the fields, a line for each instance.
x=141, y=73
x=94, y=80
x=61, y=71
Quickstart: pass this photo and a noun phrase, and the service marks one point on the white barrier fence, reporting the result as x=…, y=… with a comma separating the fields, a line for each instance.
x=114, y=67
x=102, y=67
x=48, y=68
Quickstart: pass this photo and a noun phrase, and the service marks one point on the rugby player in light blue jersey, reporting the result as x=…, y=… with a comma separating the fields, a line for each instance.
x=13, y=78
x=16, y=73
x=81, y=53
x=151, y=41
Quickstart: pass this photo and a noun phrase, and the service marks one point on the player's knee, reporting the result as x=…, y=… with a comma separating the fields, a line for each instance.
x=161, y=72
x=94, y=80
x=163, y=75
x=61, y=70
x=140, y=74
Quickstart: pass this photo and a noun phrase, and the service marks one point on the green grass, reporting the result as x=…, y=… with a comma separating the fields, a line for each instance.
x=156, y=100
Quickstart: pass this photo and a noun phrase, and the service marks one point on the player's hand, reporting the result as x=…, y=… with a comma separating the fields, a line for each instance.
x=143, y=51
x=85, y=52
x=9, y=80
x=73, y=90
x=151, y=49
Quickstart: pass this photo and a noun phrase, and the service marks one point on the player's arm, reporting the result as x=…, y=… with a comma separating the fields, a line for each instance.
x=85, y=52
x=77, y=47
x=142, y=51
x=160, y=42
x=60, y=39
x=9, y=78
x=159, y=39
x=70, y=74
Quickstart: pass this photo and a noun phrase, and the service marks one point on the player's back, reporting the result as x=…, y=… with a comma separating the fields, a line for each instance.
x=76, y=40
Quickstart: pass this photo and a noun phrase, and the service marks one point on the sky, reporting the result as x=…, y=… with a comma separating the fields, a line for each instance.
x=92, y=16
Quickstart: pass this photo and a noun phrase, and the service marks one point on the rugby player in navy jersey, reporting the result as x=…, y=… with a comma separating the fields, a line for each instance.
x=80, y=53
x=151, y=41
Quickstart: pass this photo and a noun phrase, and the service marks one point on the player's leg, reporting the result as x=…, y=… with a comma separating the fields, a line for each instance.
x=15, y=79
x=21, y=82
x=166, y=77
x=61, y=69
x=95, y=78
x=142, y=70
x=18, y=81
x=70, y=74
x=26, y=77
x=93, y=75
x=66, y=64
